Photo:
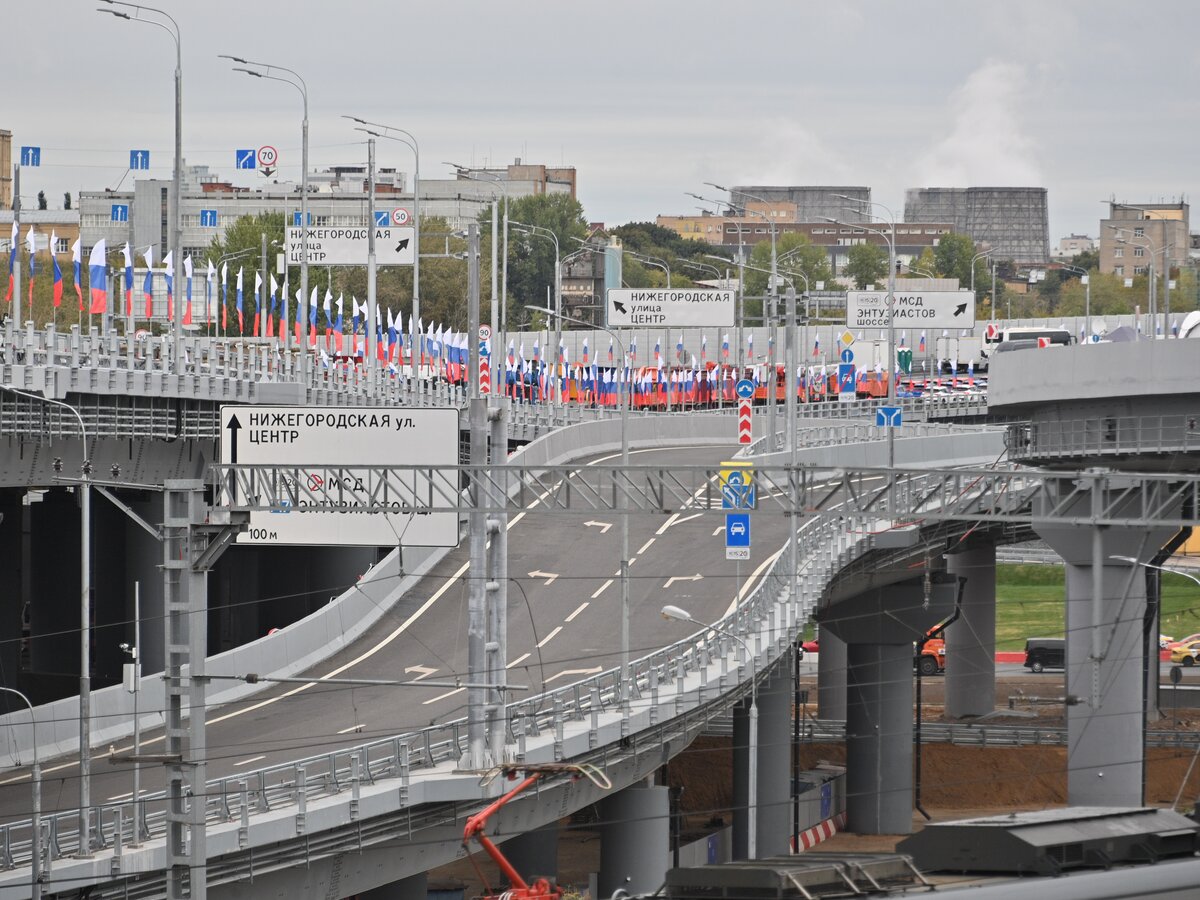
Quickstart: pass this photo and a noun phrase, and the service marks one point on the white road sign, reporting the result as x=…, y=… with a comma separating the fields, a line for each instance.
x=394, y=246
x=680, y=307
x=317, y=440
x=929, y=309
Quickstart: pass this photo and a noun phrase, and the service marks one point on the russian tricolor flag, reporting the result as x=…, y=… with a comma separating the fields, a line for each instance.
x=77, y=264
x=98, y=279
x=57, y=271
x=128, y=279
x=12, y=257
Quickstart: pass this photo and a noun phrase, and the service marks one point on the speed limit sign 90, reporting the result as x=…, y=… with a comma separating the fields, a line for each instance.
x=400, y=216
x=267, y=155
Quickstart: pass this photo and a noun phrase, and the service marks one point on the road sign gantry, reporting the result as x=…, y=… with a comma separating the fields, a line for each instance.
x=1003, y=495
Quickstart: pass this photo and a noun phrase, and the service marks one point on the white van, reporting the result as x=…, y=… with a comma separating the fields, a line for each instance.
x=1034, y=335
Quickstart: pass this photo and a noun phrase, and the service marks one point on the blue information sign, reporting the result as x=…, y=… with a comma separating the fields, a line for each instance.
x=846, y=378
x=120, y=212
x=744, y=388
x=889, y=416
x=383, y=218
x=296, y=219
x=737, y=529
x=246, y=159
x=31, y=156
x=208, y=218
x=847, y=355
x=737, y=491
x=139, y=159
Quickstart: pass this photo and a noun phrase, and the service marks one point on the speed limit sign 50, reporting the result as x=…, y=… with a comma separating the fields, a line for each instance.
x=400, y=216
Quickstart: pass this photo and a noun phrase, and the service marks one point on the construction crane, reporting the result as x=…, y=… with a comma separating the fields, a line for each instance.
x=520, y=889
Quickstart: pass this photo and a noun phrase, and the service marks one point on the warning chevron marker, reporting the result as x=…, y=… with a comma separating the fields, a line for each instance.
x=744, y=422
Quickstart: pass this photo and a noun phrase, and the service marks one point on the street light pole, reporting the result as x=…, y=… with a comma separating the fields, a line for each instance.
x=300, y=85
x=1087, y=298
x=682, y=615
x=177, y=177
x=539, y=231
x=499, y=317
x=85, y=619
x=35, y=873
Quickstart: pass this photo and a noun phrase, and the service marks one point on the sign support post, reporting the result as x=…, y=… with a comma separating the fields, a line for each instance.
x=372, y=312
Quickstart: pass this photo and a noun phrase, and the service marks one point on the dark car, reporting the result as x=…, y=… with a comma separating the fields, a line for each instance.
x=1045, y=653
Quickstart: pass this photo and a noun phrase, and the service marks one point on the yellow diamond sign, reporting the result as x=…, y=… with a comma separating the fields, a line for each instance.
x=846, y=337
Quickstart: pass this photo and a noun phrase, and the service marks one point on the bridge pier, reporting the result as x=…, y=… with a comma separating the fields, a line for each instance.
x=414, y=887
x=1105, y=651
x=879, y=626
x=971, y=640
x=831, y=676
x=12, y=566
x=635, y=843
x=534, y=853
x=774, y=808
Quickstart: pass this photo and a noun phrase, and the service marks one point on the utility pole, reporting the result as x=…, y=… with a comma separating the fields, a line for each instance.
x=372, y=264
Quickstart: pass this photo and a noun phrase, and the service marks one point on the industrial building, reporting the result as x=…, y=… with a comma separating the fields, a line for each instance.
x=1013, y=221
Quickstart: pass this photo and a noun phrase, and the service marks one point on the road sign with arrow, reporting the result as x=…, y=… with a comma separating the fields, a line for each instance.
x=912, y=309
x=348, y=246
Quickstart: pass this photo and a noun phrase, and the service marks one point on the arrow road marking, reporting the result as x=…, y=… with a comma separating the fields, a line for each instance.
x=675, y=578
x=550, y=577
x=603, y=526
x=424, y=670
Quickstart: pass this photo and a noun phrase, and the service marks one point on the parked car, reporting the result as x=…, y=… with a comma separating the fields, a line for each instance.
x=1171, y=645
x=1186, y=654
x=1045, y=653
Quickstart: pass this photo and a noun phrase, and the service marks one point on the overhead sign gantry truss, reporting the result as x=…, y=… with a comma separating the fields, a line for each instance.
x=919, y=496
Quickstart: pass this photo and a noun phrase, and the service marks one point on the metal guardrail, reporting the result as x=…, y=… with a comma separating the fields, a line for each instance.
x=988, y=735
x=1101, y=436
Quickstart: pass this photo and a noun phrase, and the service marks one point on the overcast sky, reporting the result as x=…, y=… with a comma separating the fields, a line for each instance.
x=648, y=100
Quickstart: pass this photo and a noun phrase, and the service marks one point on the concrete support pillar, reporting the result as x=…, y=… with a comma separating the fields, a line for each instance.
x=879, y=742
x=774, y=808
x=12, y=602
x=1106, y=605
x=635, y=846
x=415, y=887
x=534, y=854
x=739, y=843
x=971, y=640
x=54, y=595
x=831, y=676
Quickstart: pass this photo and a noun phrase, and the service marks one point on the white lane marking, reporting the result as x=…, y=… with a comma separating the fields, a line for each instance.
x=580, y=608
x=568, y=672
x=750, y=582
x=516, y=662
x=677, y=519
x=442, y=696
x=252, y=759
x=600, y=590
x=425, y=672
x=718, y=530
x=118, y=797
x=675, y=578
x=645, y=546
x=544, y=641
x=550, y=577
x=603, y=526
x=353, y=729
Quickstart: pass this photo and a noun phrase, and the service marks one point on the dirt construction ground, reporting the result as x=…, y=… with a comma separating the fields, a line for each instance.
x=957, y=782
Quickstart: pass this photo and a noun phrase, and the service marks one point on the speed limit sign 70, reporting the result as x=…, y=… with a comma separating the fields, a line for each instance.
x=400, y=216
x=267, y=155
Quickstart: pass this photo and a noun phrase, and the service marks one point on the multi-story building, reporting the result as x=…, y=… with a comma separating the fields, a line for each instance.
x=1072, y=245
x=1136, y=236
x=803, y=203
x=1013, y=221
x=62, y=224
x=6, y=177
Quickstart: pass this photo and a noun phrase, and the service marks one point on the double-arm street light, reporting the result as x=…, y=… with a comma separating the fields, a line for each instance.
x=415, y=146
x=625, y=400
x=176, y=180
x=267, y=72
x=539, y=231
x=499, y=313
x=682, y=615
x=85, y=619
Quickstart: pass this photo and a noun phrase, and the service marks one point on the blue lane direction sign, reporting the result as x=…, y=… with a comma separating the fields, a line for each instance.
x=120, y=212
x=383, y=218
x=208, y=218
x=246, y=159
x=744, y=389
x=847, y=355
x=31, y=156
x=889, y=417
x=737, y=489
x=296, y=219
x=139, y=159
x=737, y=535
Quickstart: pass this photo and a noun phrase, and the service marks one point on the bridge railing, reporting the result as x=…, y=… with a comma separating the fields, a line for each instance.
x=1100, y=436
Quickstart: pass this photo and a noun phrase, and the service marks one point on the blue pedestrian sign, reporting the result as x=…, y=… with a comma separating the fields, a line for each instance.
x=208, y=218
x=888, y=417
x=744, y=388
x=31, y=156
x=296, y=219
x=846, y=378
x=120, y=212
x=246, y=159
x=847, y=355
x=383, y=218
x=139, y=159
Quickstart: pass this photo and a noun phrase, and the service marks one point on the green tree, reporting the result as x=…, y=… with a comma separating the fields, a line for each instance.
x=866, y=264
x=1088, y=259
x=952, y=257
x=923, y=263
x=794, y=252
